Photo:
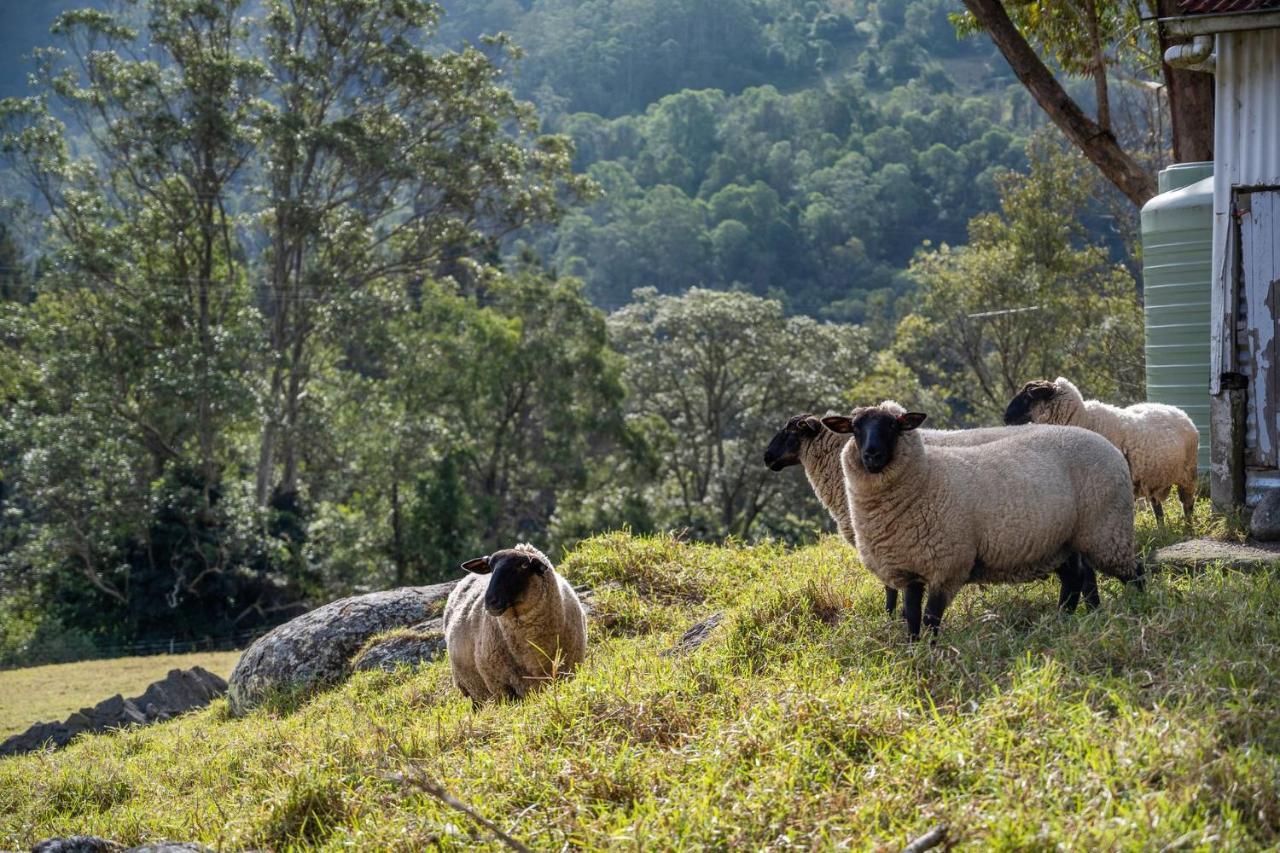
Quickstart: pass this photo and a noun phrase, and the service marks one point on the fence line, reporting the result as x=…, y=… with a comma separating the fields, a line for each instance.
x=172, y=645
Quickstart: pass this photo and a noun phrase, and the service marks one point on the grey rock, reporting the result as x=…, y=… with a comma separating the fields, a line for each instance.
x=1264, y=524
x=315, y=649
x=695, y=636
x=77, y=844
x=178, y=692
x=1197, y=553
x=94, y=844
x=411, y=647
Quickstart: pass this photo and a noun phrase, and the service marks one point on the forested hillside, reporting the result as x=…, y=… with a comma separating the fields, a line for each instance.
x=301, y=298
x=799, y=150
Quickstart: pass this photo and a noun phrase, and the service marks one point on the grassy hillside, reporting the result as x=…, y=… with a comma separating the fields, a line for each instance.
x=44, y=693
x=805, y=720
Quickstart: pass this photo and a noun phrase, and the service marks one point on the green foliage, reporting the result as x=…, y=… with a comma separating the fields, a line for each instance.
x=236, y=199
x=285, y=318
x=816, y=197
x=1029, y=296
x=711, y=377
x=804, y=720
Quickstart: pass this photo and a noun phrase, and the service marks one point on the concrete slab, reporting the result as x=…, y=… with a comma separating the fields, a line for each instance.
x=1196, y=553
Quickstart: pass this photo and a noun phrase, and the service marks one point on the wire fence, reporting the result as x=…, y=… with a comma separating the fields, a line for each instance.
x=160, y=646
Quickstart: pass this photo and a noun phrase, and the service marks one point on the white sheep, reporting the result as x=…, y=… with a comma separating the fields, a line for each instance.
x=931, y=518
x=804, y=441
x=1158, y=441
x=512, y=625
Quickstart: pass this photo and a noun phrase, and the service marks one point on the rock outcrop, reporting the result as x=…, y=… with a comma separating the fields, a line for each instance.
x=316, y=649
x=94, y=844
x=178, y=692
x=695, y=636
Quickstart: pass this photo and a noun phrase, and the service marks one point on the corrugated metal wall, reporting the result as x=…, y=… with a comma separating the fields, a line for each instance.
x=1247, y=155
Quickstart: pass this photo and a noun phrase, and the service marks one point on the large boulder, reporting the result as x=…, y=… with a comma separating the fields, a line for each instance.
x=315, y=649
x=178, y=692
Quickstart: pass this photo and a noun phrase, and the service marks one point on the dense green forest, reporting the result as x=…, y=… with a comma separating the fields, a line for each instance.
x=311, y=297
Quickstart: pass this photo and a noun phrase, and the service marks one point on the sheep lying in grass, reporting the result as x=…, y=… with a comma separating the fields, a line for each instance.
x=803, y=440
x=512, y=625
x=1158, y=441
x=929, y=518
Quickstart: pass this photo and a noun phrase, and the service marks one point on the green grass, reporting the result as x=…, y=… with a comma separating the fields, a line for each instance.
x=46, y=693
x=806, y=720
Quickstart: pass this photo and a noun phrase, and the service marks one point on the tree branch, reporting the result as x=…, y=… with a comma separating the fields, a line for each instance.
x=1097, y=144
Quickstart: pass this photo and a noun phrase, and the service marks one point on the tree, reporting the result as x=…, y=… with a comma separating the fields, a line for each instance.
x=1076, y=36
x=229, y=189
x=384, y=159
x=712, y=376
x=475, y=419
x=1026, y=298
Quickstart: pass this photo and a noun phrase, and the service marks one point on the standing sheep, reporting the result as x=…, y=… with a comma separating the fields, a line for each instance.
x=512, y=625
x=930, y=518
x=803, y=440
x=1158, y=441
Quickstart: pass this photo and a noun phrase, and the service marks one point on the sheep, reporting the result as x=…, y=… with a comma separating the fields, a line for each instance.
x=512, y=625
x=803, y=440
x=930, y=518
x=1158, y=441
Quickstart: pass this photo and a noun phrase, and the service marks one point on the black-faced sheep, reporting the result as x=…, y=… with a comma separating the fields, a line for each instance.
x=1158, y=441
x=804, y=441
x=931, y=519
x=512, y=625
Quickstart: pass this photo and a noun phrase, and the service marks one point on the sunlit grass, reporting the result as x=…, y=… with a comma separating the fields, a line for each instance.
x=805, y=720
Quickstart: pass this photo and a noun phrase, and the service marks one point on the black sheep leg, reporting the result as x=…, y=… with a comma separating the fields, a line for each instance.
x=1088, y=584
x=1158, y=509
x=912, y=601
x=1070, y=575
x=890, y=599
x=1078, y=582
x=938, y=601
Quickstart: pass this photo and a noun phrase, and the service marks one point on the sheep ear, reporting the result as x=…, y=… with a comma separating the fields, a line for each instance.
x=811, y=426
x=479, y=566
x=838, y=423
x=1043, y=392
x=910, y=420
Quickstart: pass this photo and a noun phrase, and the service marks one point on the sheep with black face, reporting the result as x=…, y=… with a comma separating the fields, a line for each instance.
x=931, y=519
x=1158, y=441
x=512, y=625
x=803, y=440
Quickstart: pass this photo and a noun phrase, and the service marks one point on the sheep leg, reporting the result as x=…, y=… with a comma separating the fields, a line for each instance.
x=938, y=601
x=1071, y=576
x=1187, y=494
x=1138, y=581
x=911, y=603
x=1088, y=585
x=1158, y=508
x=890, y=600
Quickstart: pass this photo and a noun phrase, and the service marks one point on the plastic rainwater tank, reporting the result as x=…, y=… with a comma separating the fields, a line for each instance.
x=1177, y=249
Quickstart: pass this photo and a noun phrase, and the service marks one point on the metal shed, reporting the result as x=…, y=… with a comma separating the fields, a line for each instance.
x=1245, y=297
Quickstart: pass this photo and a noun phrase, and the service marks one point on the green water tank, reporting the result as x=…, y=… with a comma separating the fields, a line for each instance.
x=1177, y=250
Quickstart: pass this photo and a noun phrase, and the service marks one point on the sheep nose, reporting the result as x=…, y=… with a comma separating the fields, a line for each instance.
x=874, y=459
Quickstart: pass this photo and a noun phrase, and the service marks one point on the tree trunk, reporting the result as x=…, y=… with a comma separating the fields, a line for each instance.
x=1190, y=100
x=1097, y=144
